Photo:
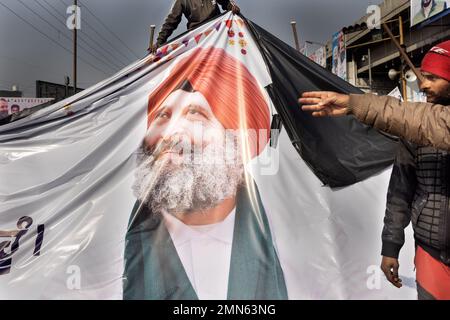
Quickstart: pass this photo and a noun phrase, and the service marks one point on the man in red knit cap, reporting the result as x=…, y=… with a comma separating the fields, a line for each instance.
x=419, y=190
x=436, y=71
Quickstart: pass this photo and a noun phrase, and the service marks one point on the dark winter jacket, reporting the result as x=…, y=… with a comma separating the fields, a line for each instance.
x=419, y=192
x=195, y=11
x=425, y=124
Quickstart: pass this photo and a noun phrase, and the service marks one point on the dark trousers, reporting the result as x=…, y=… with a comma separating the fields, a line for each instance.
x=423, y=294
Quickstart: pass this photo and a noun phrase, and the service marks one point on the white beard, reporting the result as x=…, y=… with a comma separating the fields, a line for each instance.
x=191, y=186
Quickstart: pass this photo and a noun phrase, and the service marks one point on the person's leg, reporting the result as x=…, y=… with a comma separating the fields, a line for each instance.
x=433, y=277
x=423, y=294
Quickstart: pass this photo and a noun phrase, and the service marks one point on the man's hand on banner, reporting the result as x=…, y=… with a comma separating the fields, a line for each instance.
x=234, y=8
x=325, y=103
x=390, y=268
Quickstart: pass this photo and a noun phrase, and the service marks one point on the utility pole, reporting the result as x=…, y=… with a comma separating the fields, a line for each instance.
x=369, y=56
x=402, y=52
x=67, y=83
x=294, y=30
x=402, y=44
x=75, y=48
x=152, y=36
x=401, y=48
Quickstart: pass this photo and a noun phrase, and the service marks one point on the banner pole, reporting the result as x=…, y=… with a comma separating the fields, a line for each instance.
x=75, y=48
x=294, y=30
x=402, y=52
x=152, y=35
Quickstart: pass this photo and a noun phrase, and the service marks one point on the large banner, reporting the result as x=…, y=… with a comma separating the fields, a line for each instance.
x=426, y=10
x=339, y=55
x=15, y=105
x=192, y=174
x=318, y=55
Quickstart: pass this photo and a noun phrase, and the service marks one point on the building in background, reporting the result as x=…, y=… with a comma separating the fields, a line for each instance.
x=55, y=91
x=339, y=55
x=373, y=62
x=316, y=52
x=10, y=93
x=46, y=93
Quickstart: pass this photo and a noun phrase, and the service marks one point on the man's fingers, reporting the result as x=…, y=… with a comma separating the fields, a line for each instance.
x=317, y=94
x=313, y=94
x=387, y=272
x=324, y=100
x=309, y=100
x=320, y=114
x=397, y=282
x=395, y=274
x=328, y=101
x=314, y=107
x=395, y=268
x=391, y=273
x=321, y=111
x=390, y=277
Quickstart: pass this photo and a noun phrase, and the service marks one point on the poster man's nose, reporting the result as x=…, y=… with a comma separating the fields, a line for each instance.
x=175, y=129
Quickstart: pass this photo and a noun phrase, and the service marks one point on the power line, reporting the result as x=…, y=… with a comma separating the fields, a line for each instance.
x=115, y=50
x=22, y=62
x=108, y=63
x=82, y=40
x=65, y=36
x=51, y=39
x=109, y=30
x=122, y=64
x=119, y=66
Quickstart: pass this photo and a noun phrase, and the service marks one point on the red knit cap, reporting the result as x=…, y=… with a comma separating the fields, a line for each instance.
x=437, y=61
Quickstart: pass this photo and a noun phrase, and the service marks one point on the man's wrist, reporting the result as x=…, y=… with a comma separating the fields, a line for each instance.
x=391, y=249
x=355, y=104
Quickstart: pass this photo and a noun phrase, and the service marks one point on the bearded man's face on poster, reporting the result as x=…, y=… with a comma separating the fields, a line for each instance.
x=193, y=155
x=189, y=161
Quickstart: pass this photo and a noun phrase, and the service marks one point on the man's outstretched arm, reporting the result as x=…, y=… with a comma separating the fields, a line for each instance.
x=171, y=23
x=422, y=123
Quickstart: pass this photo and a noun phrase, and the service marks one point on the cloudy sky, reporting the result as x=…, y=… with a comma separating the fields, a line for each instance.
x=35, y=44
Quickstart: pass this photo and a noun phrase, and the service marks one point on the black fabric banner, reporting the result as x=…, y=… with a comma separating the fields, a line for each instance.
x=340, y=151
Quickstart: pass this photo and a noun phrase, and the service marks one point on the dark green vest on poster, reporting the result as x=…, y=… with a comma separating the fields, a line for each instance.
x=153, y=270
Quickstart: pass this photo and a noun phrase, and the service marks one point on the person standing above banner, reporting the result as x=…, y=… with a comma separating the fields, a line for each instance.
x=419, y=189
x=195, y=11
x=426, y=124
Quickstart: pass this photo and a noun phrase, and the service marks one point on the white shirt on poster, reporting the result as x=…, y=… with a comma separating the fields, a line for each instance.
x=205, y=252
